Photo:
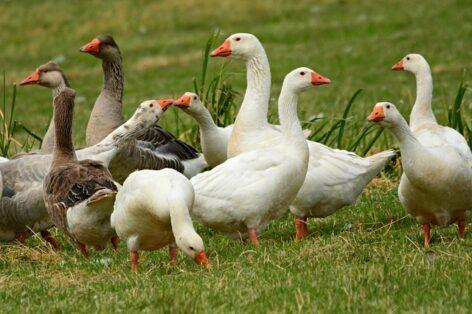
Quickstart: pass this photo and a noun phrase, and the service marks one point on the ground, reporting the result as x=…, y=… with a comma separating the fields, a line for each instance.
x=367, y=257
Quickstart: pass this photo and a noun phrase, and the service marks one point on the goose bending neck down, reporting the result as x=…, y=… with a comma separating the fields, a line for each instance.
x=147, y=220
x=155, y=149
x=49, y=75
x=436, y=186
x=242, y=195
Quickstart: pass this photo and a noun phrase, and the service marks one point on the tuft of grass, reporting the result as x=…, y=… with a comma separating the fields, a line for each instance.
x=456, y=119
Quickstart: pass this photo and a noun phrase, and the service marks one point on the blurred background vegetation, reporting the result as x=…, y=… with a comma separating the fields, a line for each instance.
x=354, y=43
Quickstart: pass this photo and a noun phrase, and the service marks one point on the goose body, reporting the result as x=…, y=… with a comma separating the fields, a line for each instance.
x=22, y=206
x=335, y=178
x=436, y=186
x=152, y=211
x=242, y=195
x=156, y=149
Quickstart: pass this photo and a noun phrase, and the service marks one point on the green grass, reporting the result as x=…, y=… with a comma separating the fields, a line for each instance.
x=367, y=257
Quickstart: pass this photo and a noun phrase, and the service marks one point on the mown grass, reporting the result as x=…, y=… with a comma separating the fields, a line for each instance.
x=366, y=258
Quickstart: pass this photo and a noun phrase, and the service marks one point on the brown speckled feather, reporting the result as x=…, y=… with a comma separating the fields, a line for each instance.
x=72, y=183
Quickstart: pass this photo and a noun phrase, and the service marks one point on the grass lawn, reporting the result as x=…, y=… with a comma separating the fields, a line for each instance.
x=367, y=257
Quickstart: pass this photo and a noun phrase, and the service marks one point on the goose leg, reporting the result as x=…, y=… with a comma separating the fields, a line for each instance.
x=301, y=229
x=461, y=223
x=173, y=254
x=134, y=260
x=46, y=235
x=252, y=233
x=427, y=234
x=83, y=250
x=114, y=242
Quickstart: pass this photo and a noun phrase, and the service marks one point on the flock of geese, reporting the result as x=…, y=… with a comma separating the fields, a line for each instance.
x=136, y=182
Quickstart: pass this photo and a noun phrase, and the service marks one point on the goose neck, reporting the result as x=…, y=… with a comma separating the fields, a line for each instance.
x=422, y=110
x=113, y=77
x=204, y=119
x=288, y=117
x=180, y=220
x=63, y=146
x=255, y=105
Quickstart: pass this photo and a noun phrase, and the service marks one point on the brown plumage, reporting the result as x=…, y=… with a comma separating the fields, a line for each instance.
x=73, y=185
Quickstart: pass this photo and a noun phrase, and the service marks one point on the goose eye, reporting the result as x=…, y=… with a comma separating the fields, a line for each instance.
x=194, y=97
x=408, y=58
x=237, y=38
x=151, y=105
x=191, y=248
x=388, y=106
x=302, y=73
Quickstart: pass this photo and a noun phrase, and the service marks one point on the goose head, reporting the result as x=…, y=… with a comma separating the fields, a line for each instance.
x=103, y=47
x=238, y=46
x=152, y=110
x=385, y=114
x=192, y=245
x=303, y=78
x=49, y=75
x=190, y=102
x=412, y=62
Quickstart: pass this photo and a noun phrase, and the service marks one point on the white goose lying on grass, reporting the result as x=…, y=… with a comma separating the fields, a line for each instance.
x=22, y=208
x=152, y=211
x=242, y=195
x=436, y=185
x=334, y=179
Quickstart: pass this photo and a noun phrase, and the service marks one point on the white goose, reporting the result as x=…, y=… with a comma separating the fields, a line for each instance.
x=423, y=123
x=436, y=185
x=213, y=139
x=242, y=195
x=152, y=211
x=335, y=178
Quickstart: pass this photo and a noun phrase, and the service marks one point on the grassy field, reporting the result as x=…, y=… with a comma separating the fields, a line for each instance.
x=367, y=257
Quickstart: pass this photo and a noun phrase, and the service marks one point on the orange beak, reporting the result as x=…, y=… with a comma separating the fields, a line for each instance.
x=202, y=259
x=377, y=114
x=398, y=66
x=183, y=102
x=317, y=79
x=222, y=51
x=32, y=79
x=164, y=103
x=92, y=47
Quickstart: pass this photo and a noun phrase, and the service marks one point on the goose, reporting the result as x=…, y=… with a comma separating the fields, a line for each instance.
x=22, y=207
x=79, y=195
x=242, y=195
x=158, y=148
x=213, y=139
x=423, y=123
x=436, y=184
x=152, y=211
x=335, y=178
x=49, y=75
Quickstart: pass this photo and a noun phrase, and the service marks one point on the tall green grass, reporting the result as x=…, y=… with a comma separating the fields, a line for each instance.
x=456, y=119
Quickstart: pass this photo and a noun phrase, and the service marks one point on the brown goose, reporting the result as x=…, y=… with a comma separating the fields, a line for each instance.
x=106, y=115
x=79, y=195
x=49, y=75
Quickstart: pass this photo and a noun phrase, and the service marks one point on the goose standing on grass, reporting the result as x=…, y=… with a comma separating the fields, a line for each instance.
x=22, y=207
x=436, y=185
x=157, y=148
x=334, y=179
x=49, y=75
x=152, y=211
x=242, y=195
x=423, y=123
x=79, y=195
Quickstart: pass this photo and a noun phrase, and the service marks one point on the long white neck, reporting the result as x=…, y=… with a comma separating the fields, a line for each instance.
x=180, y=219
x=204, y=119
x=290, y=125
x=422, y=111
x=48, y=139
x=253, y=112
